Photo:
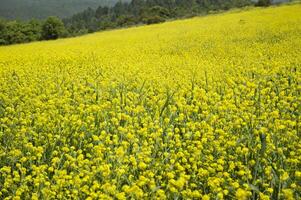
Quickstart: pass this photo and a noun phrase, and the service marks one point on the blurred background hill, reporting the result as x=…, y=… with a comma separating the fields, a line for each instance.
x=40, y=9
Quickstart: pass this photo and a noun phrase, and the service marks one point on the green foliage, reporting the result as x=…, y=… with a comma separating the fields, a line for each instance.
x=2, y=32
x=159, y=11
x=126, y=20
x=144, y=11
x=155, y=14
x=12, y=32
x=53, y=28
x=123, y=14
x=153, y=19
x=34, y=30
x=263, y=3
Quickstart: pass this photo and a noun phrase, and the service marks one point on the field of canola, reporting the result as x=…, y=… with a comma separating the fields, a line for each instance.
x=203, y=108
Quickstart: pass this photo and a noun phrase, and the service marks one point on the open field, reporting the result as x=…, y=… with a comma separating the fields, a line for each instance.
x=203, y=108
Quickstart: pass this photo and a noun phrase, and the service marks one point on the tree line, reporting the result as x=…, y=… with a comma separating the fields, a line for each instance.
x=125, y=14
x=14, y=32
x=122, y=14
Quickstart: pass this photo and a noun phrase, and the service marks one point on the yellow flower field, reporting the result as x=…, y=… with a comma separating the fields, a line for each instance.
x=202, y=108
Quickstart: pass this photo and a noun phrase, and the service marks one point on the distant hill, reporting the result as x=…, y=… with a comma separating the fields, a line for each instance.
x=27, y=9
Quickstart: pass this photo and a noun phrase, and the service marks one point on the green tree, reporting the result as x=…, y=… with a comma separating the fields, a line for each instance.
x=264, y=3
x=101, y=11
x=14, y=33
x=53, y=28
x=153, y=19
x=2, y=32
x=34, y=30
x=155, y=14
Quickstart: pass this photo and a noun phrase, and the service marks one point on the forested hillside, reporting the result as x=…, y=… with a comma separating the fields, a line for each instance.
x=95, y=18
x=124, y=14
x=27, y=9
x=100, y=15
